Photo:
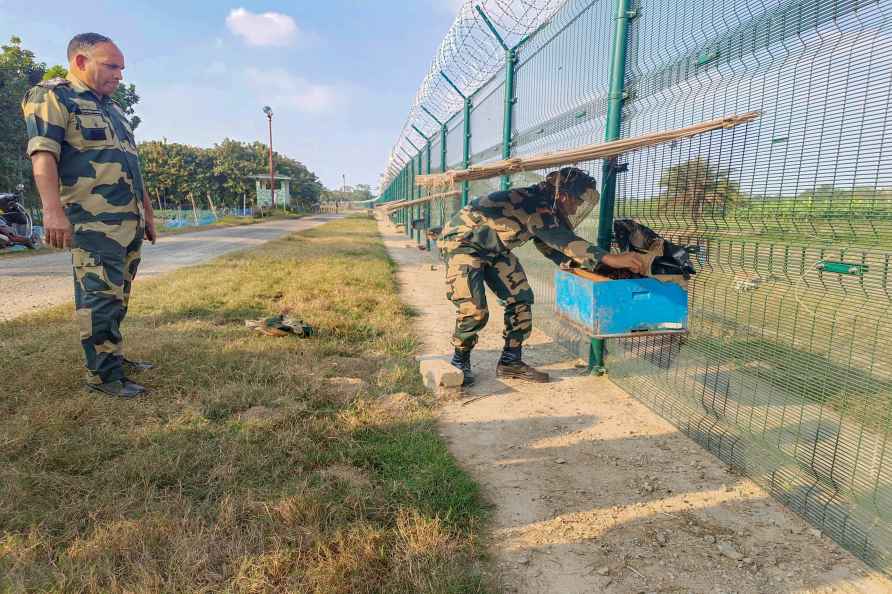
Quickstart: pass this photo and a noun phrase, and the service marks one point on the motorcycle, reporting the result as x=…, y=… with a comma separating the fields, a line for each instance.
x=16, y=226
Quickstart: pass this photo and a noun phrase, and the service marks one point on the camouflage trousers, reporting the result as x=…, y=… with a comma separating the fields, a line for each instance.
x=105, y=257
x=466, y=275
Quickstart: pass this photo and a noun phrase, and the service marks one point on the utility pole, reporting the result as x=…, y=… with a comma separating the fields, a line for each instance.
x=272, y=172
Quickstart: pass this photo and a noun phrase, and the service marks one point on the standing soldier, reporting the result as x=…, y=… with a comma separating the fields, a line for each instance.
x=478, y=241
x=86, y=168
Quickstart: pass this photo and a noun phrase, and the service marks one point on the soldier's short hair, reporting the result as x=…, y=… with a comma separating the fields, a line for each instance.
x=85, y=42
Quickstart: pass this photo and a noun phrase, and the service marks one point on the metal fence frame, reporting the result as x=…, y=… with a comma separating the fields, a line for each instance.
x=785, y=375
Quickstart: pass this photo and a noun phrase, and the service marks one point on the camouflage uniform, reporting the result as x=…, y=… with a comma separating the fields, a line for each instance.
x=477, y=244
x=101, y=191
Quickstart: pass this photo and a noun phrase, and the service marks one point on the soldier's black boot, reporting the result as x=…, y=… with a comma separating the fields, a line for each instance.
x=462, y=360
x=120, y=388
x=511, y=366
x=136, y=366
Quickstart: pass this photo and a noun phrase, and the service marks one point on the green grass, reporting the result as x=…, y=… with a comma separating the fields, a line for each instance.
x=801, y=374
x=246, y=469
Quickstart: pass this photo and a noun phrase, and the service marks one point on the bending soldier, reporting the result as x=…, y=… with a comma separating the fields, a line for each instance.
x=86, y=168
x=478, y=241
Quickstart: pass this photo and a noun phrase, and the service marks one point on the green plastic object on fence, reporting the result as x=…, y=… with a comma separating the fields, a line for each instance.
x=841, y=268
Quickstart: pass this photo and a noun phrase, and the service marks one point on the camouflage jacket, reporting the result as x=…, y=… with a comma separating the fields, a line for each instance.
x=502, y=221
x=94, y=146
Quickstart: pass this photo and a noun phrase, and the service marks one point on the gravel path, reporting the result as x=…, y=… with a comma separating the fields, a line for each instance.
x=593, y=492
x=29, y=283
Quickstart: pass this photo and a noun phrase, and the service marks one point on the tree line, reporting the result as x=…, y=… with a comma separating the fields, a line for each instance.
x=357, y=193
x=19, y=71
x=171, y=171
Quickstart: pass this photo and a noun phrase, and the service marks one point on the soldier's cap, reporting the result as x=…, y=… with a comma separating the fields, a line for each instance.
x=571, y=181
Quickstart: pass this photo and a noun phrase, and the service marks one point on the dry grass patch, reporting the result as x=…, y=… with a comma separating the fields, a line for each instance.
x=247, y=469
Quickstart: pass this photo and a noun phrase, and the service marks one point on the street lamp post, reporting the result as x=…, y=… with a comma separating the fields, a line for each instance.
x=272, y=174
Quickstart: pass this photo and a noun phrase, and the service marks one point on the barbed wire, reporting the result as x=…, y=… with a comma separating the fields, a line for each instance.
x=469, y=55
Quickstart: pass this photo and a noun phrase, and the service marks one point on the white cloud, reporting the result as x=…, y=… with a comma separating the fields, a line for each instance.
x=279, y=88
x=262, y=29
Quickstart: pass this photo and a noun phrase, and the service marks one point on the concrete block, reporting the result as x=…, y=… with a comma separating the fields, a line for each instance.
x=438, y=373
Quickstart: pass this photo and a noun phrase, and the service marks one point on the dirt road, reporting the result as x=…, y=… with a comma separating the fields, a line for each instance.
x=593, y=492
x=35, y=282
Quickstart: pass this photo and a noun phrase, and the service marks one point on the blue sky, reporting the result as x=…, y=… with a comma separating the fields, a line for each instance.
x=339, y=74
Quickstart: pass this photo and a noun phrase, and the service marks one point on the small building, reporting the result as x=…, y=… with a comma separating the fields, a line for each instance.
x=263, y=195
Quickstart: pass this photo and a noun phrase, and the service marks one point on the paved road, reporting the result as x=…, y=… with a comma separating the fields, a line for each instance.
x=28, y=283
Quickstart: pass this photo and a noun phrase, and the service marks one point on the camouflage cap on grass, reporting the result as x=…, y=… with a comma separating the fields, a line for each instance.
x=281, y=326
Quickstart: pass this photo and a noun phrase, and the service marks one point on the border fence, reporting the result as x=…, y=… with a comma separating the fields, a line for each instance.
x=786, y=373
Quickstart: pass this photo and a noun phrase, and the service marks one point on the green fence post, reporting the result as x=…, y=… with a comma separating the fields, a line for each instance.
x=403, y=197
x=427, y=215
x=426, y=209
x=508, y=115
x=410, y=211
x=413, y=189
x=416, y=192
x=421, y=134
x=444, y=133
x=397, y=193
x=410, y=194
x=466, y=150
x=406, y=196
x=618, y=46
x=427, y=205
x=466, y=132
x=408, y=189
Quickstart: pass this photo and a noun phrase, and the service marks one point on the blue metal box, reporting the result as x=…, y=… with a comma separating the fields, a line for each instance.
x=630, y=307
